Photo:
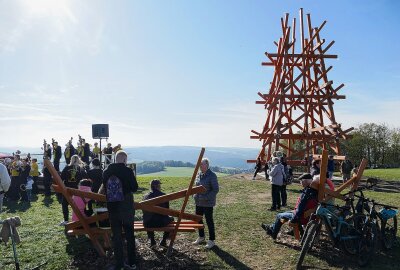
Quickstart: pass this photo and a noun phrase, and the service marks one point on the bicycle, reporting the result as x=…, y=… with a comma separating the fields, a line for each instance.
x=340, y=229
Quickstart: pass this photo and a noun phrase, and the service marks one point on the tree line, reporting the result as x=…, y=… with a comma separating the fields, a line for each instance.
x=378, y=143
x=158, y=166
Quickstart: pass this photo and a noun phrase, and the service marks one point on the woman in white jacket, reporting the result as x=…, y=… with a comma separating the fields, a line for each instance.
x=276, y=174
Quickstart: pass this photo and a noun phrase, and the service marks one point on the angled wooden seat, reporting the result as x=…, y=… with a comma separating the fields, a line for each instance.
x=82, y=225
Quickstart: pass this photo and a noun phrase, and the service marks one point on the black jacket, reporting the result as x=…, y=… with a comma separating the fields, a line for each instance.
x=71, y=175
x=97, y=177
x=129, y=185
x=57, y=153
x=154, y=220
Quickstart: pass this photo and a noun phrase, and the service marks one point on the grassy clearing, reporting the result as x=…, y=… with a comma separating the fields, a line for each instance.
x=385, y=174
x=242, y=244
x=176, y=172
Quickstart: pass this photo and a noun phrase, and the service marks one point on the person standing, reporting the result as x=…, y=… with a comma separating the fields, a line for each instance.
x=34, y=173
x=119, y=183
x=107, y=151
x=96, y=150
x=57, y=153
x=69, y=152
x=96, y=175
x=23, y=178
x=86, y=152
x=5, y=182
x=277, y=176
x=205, y=202
x=257, y=168
x=345, y=169
x=47, y=181
x=71, y=175
x=331, y=166
x=13, y=191
x=285, y=177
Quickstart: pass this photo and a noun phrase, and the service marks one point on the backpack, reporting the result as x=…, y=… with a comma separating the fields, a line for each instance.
x=115, y=192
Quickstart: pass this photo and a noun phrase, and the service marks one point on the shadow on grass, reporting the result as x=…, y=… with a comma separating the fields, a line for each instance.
x=84, y=257
x=17, y=206
x=229, y=259
x=47, y=201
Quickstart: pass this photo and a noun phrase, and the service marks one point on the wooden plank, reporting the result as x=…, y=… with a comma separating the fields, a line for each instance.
x=303, y=55
x=299, y=96
x=68, y=197
x=180, y=217
x=173, y=196
x=322, y=176
x=167, y=211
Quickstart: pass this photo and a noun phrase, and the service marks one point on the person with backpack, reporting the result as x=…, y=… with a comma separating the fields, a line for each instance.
x=71, y=175
x=119, y=183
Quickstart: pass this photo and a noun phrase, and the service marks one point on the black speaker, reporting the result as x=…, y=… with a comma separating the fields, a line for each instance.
x=100, y=131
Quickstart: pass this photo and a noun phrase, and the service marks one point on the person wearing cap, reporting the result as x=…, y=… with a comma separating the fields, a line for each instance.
x=96, y=175
x=5, y=182
x=206, y=201
x=154, y=220
x=13, y=191
x=307, y=200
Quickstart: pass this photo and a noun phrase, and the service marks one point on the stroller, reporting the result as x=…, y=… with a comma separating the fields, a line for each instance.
x=4, y=223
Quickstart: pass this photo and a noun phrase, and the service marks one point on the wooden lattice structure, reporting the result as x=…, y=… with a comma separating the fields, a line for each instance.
x=300, y=100
x=186, y=222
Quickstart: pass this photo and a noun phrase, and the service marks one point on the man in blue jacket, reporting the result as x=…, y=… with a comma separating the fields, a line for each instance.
x=206, y=201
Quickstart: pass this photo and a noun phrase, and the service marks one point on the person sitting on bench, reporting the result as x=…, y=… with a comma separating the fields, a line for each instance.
x=153, y=220
x=307, y=200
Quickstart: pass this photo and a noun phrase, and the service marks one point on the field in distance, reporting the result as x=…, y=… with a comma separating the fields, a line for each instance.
x=176, y=172
x=384, y=174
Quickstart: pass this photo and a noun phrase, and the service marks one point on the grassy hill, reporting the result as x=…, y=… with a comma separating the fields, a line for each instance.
x=176, y=172
x=242, y=244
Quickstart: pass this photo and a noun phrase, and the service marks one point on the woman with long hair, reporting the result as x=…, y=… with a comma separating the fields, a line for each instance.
x=71, y=176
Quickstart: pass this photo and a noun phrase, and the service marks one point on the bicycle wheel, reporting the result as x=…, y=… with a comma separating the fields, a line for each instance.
x=308, y=241
x=367, y=243
x=388, y=232
x=351, y=245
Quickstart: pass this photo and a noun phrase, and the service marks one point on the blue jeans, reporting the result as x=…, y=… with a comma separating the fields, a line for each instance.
x=29, y=193
x=276, y=227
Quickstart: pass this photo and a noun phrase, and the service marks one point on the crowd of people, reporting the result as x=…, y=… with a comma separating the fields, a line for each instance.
x=117, y=181
x=278, y=172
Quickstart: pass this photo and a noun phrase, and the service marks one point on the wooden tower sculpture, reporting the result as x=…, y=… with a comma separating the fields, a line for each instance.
x=300, y=116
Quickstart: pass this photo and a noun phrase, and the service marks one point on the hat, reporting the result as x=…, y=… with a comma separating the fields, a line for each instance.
x=96, y=162
x=155, y=182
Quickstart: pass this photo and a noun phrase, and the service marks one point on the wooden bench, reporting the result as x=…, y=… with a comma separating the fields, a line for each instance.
x=82, y=225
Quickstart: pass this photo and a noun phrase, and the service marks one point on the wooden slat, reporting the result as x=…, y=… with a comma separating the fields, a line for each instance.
x=173, y=196
x=180, y=217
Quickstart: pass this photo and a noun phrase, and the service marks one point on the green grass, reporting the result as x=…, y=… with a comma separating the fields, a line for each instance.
x=242, y=244
x=385, y=174
x=176, y=172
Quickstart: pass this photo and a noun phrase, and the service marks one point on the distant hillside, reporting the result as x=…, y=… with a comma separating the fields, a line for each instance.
x=219, y=156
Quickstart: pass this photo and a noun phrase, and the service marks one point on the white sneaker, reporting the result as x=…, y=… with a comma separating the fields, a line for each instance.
x=63, y=223
x=199, y=241
x=210, y=244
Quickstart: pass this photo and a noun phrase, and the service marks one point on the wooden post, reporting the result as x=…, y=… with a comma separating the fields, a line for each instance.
x=196, y=169
x=322, y=175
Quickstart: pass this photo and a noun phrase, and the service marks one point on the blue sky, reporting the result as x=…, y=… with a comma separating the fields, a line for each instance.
x=178, y=72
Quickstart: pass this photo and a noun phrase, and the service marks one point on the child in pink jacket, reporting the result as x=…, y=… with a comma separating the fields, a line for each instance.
x=84, y=185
